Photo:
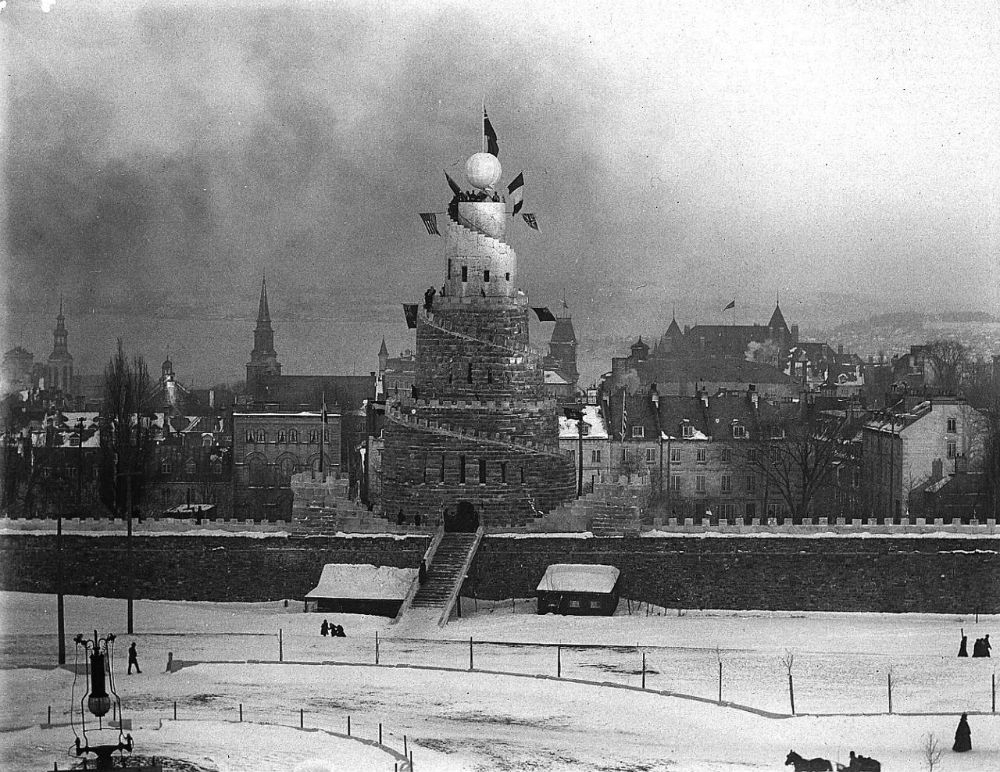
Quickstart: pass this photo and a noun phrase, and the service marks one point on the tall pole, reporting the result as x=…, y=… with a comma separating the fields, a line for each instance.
x=79, y=466
x=128, y=550
x=661, y=463
x=579, y=479
x=60, y=613
x=668, y=472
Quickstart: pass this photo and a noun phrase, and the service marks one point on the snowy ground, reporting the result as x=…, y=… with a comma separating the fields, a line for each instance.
x=460, y=720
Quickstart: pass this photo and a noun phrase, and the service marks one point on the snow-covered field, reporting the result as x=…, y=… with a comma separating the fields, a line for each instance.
x=460, y=720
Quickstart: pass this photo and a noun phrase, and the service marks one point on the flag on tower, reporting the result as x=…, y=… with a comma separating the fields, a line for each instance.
x=492, y=146
x=410, y=311
x=452, y=184
x=544, y=315
x=624, y=414
x=732, y=304
x=530, y=220
x=515, y=192
x=430, y=223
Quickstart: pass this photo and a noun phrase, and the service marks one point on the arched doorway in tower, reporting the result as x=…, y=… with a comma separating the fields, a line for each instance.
x=464, y=520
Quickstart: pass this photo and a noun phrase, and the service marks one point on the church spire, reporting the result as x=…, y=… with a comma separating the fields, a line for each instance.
x=263, y=314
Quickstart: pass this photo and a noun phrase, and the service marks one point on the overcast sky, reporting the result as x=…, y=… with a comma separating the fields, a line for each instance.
x=159, y=156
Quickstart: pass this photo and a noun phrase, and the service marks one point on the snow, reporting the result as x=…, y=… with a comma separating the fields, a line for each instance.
x=595, y=717
x=592, y=419
x=363, y=581
x=575, y=577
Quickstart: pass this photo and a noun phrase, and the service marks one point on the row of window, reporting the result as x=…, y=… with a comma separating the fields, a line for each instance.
x=501, y=469
x=190, y=467
x=701, y=483
x=677, y=455
x=465, y=273
x=289, y=437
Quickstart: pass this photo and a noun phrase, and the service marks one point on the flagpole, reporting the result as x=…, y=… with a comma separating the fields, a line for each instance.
x=482, y=137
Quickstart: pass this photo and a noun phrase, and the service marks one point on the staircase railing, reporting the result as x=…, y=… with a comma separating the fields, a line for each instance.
x=457, y=588
x=415, y=586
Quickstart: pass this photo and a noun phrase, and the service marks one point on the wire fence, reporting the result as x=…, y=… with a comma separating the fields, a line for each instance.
x=395, y=744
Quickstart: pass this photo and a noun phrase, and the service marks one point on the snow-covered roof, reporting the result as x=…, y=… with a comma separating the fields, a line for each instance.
x=575, y=577
x=363, y=581
x=552, y=378
x=596, y=428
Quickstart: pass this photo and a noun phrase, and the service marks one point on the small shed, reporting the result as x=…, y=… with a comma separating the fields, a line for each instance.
x=569, y=588
x=361, y=588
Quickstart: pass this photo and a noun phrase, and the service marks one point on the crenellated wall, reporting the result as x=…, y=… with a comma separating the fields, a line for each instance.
x=898, y=574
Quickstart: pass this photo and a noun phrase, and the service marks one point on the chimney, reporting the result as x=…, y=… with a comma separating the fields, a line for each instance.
x=961, y=464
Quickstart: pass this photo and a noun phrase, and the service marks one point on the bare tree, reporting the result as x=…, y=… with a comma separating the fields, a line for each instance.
x=950, y=360
x=126, y=428
x=794, y=455
x=931, y=751
x=788, y=660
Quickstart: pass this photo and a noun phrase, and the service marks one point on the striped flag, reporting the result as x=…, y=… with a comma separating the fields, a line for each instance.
x=624, y=414
x=732, y=304
x=492, y=146
x=430, y=223
x=530, y=220
x=515, y=192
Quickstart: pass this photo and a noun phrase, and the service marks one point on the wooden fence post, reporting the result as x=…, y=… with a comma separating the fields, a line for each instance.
x=471, y=667
x=644, y=670
x=348, y=726
x=379, y=732
x=302, y=718
x=559, y=661
x=241, y=712
x=889, y=680
x=175, y=710
x=376, y=647
x=281, y=645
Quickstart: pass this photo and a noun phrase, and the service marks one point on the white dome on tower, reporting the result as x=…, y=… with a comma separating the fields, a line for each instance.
x=483, y=170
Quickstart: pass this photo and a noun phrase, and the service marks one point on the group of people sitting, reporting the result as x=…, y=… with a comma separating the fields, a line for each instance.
x=334, y=631
x=981, y=648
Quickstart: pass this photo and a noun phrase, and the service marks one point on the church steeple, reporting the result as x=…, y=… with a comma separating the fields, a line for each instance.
x=263, y=313
x=60, y=365
x=263, y=358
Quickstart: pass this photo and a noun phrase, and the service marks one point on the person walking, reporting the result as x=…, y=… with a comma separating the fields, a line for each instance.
x=963, y=647
x=963, y=736
x=133, y=659
x=986, y=645
x=324, y=629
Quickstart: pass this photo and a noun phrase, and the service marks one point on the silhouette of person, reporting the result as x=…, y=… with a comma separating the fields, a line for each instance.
x=963, y=650
x=324, y=629
x=133, y=659
x=963, y=735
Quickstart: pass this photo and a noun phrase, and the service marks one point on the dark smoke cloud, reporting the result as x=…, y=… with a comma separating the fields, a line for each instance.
x=160, y=158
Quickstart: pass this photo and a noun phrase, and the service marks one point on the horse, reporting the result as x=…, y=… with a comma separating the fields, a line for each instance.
x=808, y=765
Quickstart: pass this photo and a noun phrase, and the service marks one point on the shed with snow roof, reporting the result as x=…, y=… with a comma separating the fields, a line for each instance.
x=569, y=588
x=361, y=588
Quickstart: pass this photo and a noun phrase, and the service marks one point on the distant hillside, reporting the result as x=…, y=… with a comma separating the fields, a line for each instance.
x=895, y=332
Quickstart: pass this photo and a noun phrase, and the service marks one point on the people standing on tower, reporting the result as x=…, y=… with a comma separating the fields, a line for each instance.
x=429, y=298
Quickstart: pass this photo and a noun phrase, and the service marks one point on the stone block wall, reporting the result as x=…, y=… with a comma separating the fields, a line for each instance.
x=428, y=475
x=194, y=567
x=825, y=574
